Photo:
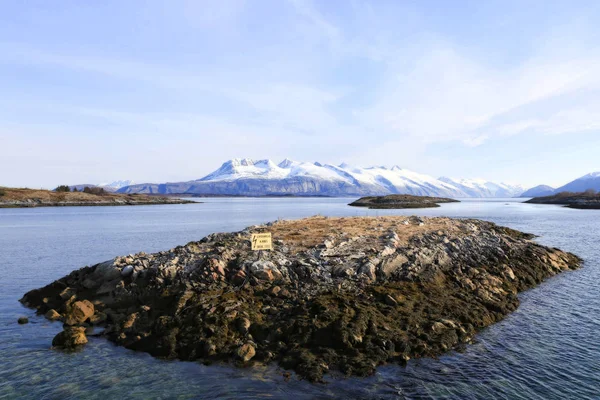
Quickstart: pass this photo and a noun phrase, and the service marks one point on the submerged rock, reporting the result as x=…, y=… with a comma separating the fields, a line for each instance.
x=72, y=337
x=23, y=320
x=335, y=293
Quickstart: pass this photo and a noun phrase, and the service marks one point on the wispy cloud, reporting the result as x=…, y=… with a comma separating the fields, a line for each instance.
x=368, y=83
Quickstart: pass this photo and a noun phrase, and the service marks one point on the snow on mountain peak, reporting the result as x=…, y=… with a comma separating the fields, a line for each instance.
x=287, y=163
x=378, y=179
x=591, y=175
x=117, y=184
x=477, y=187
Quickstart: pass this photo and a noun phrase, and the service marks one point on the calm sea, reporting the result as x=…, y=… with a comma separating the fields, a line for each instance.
x=548, y=349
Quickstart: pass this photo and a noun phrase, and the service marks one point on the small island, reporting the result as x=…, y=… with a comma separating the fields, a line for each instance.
x=588, y=200
x=398, y=201
x=20, y=198
x=334, y=296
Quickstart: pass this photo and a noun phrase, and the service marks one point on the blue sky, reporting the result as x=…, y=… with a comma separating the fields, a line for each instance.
x=159, y=91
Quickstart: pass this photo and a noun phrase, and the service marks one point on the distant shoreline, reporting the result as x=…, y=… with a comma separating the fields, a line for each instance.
x=581, y=201
x=31, y=198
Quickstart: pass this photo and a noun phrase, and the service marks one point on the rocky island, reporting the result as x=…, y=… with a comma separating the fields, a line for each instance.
x=18, y=198
x=335, y=295
x=589, y=200
x=397, y=201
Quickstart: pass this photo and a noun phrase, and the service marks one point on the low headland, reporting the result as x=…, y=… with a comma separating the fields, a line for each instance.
x=335, y=295
x=589, y=200
x=19, y=198
x=397, y=201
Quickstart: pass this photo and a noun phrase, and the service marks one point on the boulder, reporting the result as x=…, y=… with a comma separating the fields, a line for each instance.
x=67, y=293
x=106, y=271
x=127, y=271
x=78, y=312
x=52, y=315
x=242, y=325
x=98, y=318
x=265, y=270
x=246, y=352
x=23, y=320
x=70, y=338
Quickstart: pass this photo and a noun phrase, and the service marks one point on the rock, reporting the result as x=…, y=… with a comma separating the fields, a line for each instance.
x=393, y=264
x=130, y=321
x=242, y=325
x=239, y=278
x=246, y=352
x=274, y=290
x=78, y=312
x=67, y=293
x=368, y=269
x=23, y=320
x=70, y=338
x=98, y=318
x=127, y=271
x=265, y=270
x=52, y=315
x=210, y=349
x=437, y=327
x=106, y=271
x=390, y=301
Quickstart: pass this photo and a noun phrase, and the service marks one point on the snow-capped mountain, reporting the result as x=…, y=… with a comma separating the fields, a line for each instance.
x=539, y=191
x=116, y=185
x=247, y=177
x=109, y=187
x=589, y=181
x=483, y=188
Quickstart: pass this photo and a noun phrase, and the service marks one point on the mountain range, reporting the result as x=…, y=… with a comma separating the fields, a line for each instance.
x=246, y=177
x=109, y=187
x=586, y=182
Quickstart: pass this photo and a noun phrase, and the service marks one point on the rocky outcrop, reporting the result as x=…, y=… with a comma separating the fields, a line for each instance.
x=397, y=201
x=335, y=294
x=589, y=200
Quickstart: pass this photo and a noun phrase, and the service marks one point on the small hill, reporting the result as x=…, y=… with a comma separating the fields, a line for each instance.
x=540, y=190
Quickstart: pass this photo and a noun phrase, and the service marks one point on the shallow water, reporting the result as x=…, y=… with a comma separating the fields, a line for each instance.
x=548, y=349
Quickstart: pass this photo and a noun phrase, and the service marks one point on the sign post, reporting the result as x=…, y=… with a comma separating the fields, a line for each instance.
x=261, y=241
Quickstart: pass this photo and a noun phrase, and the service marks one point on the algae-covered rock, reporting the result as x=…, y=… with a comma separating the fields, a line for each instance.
x=72, y=337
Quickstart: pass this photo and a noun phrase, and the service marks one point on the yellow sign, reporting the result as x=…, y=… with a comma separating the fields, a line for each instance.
x=261, y=241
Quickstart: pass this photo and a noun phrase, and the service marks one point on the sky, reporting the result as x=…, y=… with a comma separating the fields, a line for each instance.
x=166, y=91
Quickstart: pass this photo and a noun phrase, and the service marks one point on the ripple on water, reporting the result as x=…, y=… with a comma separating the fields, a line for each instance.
x=547, y=349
